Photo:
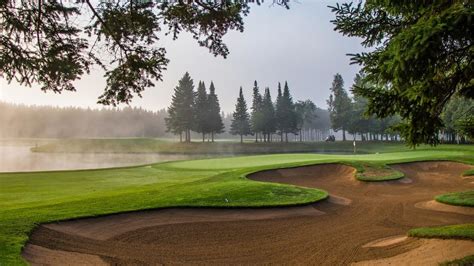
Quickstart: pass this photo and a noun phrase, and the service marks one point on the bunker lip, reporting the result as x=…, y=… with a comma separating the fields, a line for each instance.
x=289, y=234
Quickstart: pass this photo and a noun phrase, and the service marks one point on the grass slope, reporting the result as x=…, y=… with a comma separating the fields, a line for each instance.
x=465, y=198
x=29, y=199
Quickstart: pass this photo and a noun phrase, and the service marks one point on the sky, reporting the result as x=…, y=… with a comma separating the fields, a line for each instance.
x=297, y=45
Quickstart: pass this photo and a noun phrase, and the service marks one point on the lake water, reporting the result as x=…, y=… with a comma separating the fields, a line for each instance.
x=17, y=157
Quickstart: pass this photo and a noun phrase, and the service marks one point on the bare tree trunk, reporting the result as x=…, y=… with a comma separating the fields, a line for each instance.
x=241, y=139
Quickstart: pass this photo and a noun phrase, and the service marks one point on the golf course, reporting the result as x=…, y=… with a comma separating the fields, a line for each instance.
x=405, y=206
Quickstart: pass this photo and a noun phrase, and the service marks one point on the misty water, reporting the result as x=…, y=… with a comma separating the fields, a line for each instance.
x=17, y=157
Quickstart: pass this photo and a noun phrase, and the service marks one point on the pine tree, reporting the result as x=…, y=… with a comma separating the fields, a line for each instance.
x=256, y=111
x=289, y=114
x=201, y=111
x=279, y=112
x=339, y=106
x=240, y=121
x=180, y=113
x=216, y=125
x=268, y=116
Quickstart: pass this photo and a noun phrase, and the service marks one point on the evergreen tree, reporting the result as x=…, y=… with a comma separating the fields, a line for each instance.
x=240, y=121
x=279, y=112
x=216, y=125
x=180, y=113
x=339, y=106
x=289, y=114
x=268, y=116
x=201, y=111
x=257, y=115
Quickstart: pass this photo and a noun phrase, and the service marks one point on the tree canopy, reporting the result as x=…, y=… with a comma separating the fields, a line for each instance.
x=54, y=43
x=421, y=55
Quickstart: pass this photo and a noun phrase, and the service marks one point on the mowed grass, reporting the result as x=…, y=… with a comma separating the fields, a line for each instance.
x=465, y=198
x=29, y=199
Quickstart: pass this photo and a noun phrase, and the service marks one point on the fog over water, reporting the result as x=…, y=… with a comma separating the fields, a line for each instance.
x=17, y=157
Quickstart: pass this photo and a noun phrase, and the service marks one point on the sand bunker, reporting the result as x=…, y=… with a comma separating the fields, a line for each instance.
x=331, y=232
x=386, y=241
x=430, y=252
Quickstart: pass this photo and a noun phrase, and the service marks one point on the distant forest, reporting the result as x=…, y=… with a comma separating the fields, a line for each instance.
x=22, y=121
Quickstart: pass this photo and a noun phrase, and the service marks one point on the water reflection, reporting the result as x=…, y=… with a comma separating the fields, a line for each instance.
x=17, y=157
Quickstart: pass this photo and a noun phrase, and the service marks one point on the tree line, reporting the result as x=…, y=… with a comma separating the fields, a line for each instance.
x=350, y=115
x=22, y=121
x=199, y=111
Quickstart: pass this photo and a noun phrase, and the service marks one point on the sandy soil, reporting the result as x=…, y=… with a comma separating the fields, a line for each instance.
x=332, y=232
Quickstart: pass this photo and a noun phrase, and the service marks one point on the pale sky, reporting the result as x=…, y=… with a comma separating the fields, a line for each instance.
x=297, y=45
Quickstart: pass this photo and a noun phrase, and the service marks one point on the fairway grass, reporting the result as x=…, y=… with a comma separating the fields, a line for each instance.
x=465, y=198
x=29, y=199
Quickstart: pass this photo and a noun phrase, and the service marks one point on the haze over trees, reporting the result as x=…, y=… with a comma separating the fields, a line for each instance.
x=421, y=52
x=22, y=121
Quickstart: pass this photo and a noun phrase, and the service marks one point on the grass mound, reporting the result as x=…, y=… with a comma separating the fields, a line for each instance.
x=461, y=231
x=469, y=173
x=465, y=198
x=376, y=173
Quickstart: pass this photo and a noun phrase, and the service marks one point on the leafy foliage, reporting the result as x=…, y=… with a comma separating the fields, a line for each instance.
x=421, y=56
x=50, y=42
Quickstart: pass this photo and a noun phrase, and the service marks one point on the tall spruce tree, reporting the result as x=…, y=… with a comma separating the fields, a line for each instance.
x=268, y=116
x=180, y=113
x=279, y=112
x=215, y=123
x=339, y=106
x=289, y=115
x=257, y=115
x=201, y=111
x=240, y=118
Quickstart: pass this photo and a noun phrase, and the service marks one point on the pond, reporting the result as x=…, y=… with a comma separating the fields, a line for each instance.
x=16, y=156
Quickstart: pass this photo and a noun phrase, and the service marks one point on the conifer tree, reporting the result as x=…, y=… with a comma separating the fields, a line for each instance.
x=201, y=111
x=256, y=111
x=279, y=113
x=240, y=118
x=289, y=115
x=180, y=113
x=268, y=116
x=339, y=106
x=214, y=119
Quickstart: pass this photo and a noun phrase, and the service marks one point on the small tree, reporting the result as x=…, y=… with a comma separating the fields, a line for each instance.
x=240, y=121
x=215, y=123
